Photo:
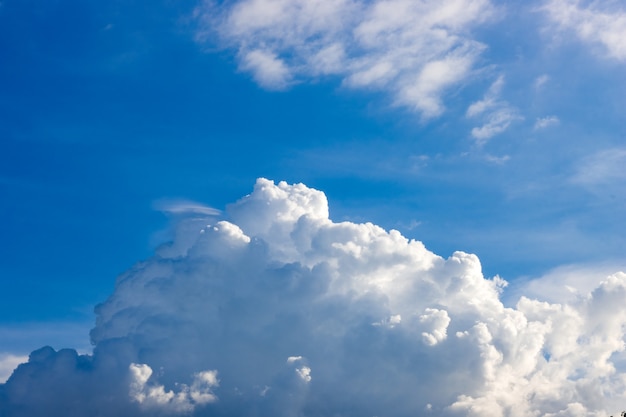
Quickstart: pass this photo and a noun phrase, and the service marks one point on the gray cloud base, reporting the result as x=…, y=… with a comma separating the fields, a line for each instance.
x=281, y=311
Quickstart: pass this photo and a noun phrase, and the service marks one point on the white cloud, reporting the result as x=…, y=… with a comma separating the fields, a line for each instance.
x=436, y=321
x=544, y=122
x=414, y=50
x=155, y=397
x=301, y=315
x=489, y=101
x=564, y=284
x=268, y=70
x=599, y=23
x=496, y=114
x=496, y=122
x=183, y=206
x=389, y=322
x=605, y=167
x=424, y=93
x=498, y=160
x=304, y=373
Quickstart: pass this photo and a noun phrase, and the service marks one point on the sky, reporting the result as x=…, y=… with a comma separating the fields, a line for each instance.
x=454, y=197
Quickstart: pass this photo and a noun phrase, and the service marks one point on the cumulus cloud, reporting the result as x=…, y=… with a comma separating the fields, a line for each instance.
x=564, y=284
x=155, y=397
x=414, y=50
x=598, y=23
x=304, y=372
x=275, y=309
x=437, y=322
x=495, y=114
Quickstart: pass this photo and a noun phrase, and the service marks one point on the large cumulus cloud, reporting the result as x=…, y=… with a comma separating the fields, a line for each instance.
x=275, y=309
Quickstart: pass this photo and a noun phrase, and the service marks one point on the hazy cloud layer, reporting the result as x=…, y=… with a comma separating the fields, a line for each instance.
x=605, y=167
x=415, y=50
x=280, y=311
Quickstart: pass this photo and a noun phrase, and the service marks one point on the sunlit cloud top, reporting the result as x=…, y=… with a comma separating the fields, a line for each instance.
x=280, y=310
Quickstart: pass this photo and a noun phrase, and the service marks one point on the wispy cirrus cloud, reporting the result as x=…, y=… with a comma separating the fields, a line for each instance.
x=413, y=50
x=495, y=113
x=547, y=121
x=605, y=167
x=184, y=206
x=597, y=23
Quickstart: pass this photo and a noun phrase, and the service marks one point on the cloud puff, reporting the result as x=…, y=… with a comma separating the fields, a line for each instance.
x=154, y=397
x=414, y=50
x=592, y=23
x=277, y=310
x=268, y=70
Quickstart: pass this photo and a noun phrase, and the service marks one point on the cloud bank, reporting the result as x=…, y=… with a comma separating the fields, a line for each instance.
x=277, y=310
x=413, y=50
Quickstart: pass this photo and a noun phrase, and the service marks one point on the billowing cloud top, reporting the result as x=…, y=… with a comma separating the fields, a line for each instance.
x=279, y=311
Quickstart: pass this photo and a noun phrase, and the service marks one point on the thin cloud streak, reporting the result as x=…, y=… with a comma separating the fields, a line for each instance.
x=545, y=122
x=604, y=166
x=183, y=206
x=495, y=113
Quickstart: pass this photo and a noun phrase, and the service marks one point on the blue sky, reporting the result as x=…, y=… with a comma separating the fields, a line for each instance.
x=502, y=135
